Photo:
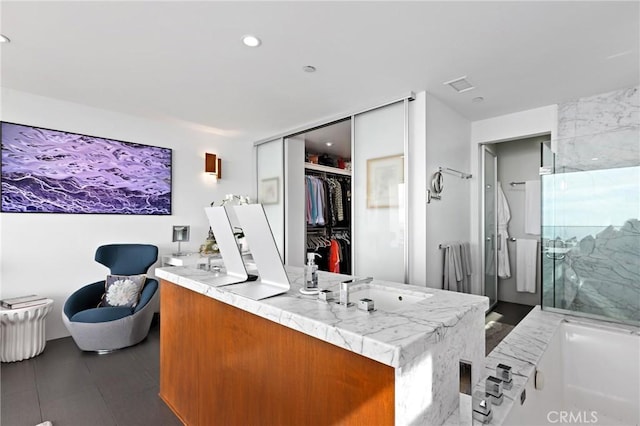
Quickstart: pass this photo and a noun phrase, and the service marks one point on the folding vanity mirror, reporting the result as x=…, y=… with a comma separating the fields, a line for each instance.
x=273, y=278
x=235, y=271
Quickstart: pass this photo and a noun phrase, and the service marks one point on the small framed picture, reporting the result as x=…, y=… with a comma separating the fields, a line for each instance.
x=268, y=193
x=384, y=177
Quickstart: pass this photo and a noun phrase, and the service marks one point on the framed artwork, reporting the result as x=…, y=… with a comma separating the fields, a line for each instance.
x=268, y=193
x=53, y=171
x=384, y=177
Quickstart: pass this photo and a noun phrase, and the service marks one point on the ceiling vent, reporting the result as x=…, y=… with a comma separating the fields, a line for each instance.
x=460, y=84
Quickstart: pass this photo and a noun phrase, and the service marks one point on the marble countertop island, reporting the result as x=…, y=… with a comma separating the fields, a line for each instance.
x=392, y=338
x=423, y=342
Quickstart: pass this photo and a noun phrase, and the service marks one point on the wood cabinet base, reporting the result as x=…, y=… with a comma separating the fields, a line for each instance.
x=224, y=366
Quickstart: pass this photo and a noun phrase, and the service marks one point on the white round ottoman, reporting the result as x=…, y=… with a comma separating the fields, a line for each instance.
x=23, y=331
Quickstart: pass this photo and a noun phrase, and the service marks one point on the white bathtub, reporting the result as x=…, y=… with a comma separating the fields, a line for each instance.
x=589, y=375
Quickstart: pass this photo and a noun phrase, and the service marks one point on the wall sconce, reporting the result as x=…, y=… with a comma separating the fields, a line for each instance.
x=213, y=165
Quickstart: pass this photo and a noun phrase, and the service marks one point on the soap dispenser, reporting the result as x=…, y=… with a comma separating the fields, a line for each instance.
x=310, y=275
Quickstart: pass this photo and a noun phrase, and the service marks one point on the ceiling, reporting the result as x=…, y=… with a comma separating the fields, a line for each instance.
x=183, y=61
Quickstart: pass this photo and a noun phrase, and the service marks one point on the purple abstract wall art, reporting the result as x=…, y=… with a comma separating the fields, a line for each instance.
x=51, y=171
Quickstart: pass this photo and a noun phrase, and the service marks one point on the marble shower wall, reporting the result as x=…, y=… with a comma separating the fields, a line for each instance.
x=601, y=271
x=605, y=126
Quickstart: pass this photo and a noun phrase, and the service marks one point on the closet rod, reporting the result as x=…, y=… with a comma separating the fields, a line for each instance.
x=462, y=175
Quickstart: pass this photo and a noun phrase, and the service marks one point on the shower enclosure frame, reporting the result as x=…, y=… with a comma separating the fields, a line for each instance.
x=485, y=239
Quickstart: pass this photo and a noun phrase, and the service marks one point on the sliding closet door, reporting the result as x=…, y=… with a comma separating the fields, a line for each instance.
x=294, y=189
x=270, y=167
x=379, y=206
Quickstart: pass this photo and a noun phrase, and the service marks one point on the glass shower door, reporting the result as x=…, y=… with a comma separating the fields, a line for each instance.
x=489, y=225
x=591, y=225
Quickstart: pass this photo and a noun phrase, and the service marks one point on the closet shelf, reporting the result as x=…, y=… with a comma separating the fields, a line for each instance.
x=327, y=169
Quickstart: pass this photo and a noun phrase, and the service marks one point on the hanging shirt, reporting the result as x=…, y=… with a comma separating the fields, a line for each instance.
x=307, y=196
x=334, y=257
x=339, y=205
x=319, y=202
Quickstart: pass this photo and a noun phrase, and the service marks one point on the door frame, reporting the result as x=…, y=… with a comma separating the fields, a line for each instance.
x=485, y=148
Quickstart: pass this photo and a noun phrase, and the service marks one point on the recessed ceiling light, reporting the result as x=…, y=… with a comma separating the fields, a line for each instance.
x=595, y=159
x=328, y=143
x=477, y=99
x=251, y=40
x=4, y=39
x=460, y=84
x=309, y=68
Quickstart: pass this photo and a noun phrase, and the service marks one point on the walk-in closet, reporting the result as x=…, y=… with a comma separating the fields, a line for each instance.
x=337, y=188
x=328, y=196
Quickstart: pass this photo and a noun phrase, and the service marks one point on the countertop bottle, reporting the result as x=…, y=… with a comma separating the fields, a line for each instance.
x=310, y=275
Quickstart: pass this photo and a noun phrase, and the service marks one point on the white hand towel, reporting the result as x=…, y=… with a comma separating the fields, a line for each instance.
x=526, y=259
x=532, y=210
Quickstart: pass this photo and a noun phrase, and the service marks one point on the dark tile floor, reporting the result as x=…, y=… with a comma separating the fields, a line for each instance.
x=501, y=321
x=510, y=313
x=73, y=388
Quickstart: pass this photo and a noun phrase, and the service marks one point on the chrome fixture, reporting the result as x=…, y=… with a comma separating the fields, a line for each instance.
x=344, y=289
x=461, y=175
x=344, y=294
x=325, y=296
x=481, y=407
x=366, y=305
x=493, y=389
x=465, y=407
x=503, y=372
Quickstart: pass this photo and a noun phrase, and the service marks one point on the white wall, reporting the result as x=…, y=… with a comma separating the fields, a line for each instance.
x=447, y=139
x=52, y=254
x=533, y=122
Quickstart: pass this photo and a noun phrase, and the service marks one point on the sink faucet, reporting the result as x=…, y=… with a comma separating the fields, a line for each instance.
x=344, y=294
x=344, y=289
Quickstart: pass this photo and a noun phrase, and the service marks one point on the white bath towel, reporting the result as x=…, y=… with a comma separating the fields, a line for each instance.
x=504, y=215
x=532, y=210
x=526, y=259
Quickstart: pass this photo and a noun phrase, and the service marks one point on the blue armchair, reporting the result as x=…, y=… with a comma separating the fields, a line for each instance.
x=108, y=328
